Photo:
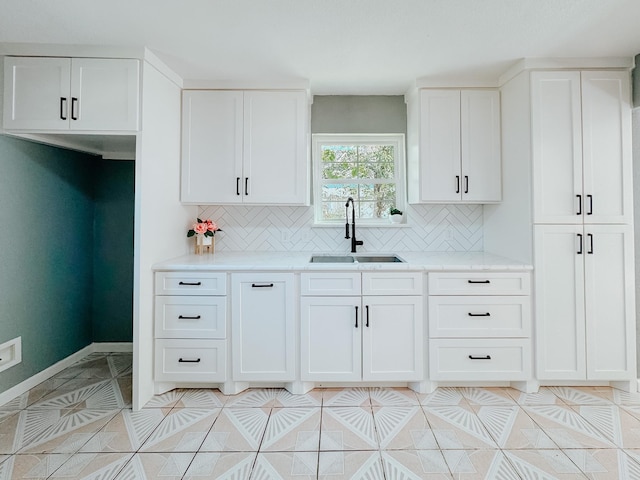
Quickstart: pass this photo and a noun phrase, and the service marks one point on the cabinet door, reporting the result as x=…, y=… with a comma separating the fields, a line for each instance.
x=276, y=166
x=610, y=303
x=104, y=94
x=557, y=147
x=36, y=93
x=559, y=282
x=440, y=175
x=392, y=338
x=212, y=147
x=331, y=339
x=606, y=130
x=263, y=327
x=480, y=131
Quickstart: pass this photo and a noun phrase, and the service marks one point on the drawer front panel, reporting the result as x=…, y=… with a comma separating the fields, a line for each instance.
x=479, y=359
x=190, y=360
x=191, y=283
x=327, y=283
x=475, y=283
x=392, y=283
x=190, y=317
x=460, y=317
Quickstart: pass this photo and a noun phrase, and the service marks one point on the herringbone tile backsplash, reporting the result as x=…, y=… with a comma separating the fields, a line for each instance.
x=435, y=228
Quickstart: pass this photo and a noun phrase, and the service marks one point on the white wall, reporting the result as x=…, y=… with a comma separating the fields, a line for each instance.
x=508, y=225
x=161, y=221
x=636, y=211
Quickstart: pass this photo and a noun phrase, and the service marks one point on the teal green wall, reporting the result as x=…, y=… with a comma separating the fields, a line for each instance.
x=113, y=251
x=51, y=200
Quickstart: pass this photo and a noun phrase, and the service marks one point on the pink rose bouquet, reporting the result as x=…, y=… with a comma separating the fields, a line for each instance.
x=206, y=228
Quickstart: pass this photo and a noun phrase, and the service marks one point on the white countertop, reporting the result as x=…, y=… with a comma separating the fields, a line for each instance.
x=299, y=261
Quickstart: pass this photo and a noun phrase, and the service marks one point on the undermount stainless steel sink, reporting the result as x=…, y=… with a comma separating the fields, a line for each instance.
x=379, y=259
x=355, y=259
x=332, y=259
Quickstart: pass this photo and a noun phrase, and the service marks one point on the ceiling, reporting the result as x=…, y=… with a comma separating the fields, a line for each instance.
x=339, y=46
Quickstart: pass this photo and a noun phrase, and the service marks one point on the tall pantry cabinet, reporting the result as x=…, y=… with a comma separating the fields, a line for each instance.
x=582, y=233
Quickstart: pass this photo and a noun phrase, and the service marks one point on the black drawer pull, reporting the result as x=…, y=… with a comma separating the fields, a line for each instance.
x=261, y=285
x=193, y=284
x=478, y=281
x=63, y=108
x=356, y=316
x=487, y=357
x=182, y=360
x=183, y=317
x=74, y=103
x=367, y=308
x=479, y=314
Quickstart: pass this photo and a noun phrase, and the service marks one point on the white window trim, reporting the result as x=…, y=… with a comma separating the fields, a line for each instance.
x=395, y=139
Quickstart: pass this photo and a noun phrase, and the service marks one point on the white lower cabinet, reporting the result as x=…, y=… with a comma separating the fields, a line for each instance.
x=190, y=327
x=263, y=327
x=584, y=306
x=480, y=326
x=361, y=338
x=191, y=360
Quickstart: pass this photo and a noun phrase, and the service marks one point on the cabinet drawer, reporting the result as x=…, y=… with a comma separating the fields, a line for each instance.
x=392, y=283
x=476, y=283
x=191, y=360
x=479, y=359
x=329, y=283
x=497, y=316
x=190, y=317
x=191, y=283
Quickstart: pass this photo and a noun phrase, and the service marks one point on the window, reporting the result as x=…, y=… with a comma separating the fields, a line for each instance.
x=369, y=168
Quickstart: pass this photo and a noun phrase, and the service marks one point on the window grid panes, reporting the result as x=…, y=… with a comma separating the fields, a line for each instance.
x=366, y=169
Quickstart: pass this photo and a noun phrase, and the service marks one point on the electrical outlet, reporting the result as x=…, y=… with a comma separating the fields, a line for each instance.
x=10, y=353
x=285, y=236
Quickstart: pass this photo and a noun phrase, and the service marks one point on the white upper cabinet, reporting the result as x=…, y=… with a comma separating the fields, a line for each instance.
x=71, y=94
x=245, y=147
x=581, y=147
x=458, y=147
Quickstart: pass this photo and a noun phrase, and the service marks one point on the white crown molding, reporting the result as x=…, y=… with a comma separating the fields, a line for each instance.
x=248, y=84
x=78, y=51
x=566, y=64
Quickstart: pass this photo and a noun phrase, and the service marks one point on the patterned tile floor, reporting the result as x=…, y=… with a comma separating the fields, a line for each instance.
x=79, y=425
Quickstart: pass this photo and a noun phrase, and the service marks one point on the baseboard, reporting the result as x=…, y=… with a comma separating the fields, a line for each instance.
x=57, y=367
x=112, y=347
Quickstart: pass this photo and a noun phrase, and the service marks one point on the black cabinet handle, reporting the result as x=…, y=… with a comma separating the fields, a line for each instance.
x=466, y=184
x=478, y=281
x=237, y=185
x=579, y=212
x=479, y=314
x=356, y=316
x=182, y=360
x=590, y=197
x=74, y=103
x=590, y=237
x=486, y=357
x=457, y=183
x=261, y=285
x=192, y=284
x=367, y=309
x=580, y=248
x=246, y=185
x=63, y=108
x=184, y=317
